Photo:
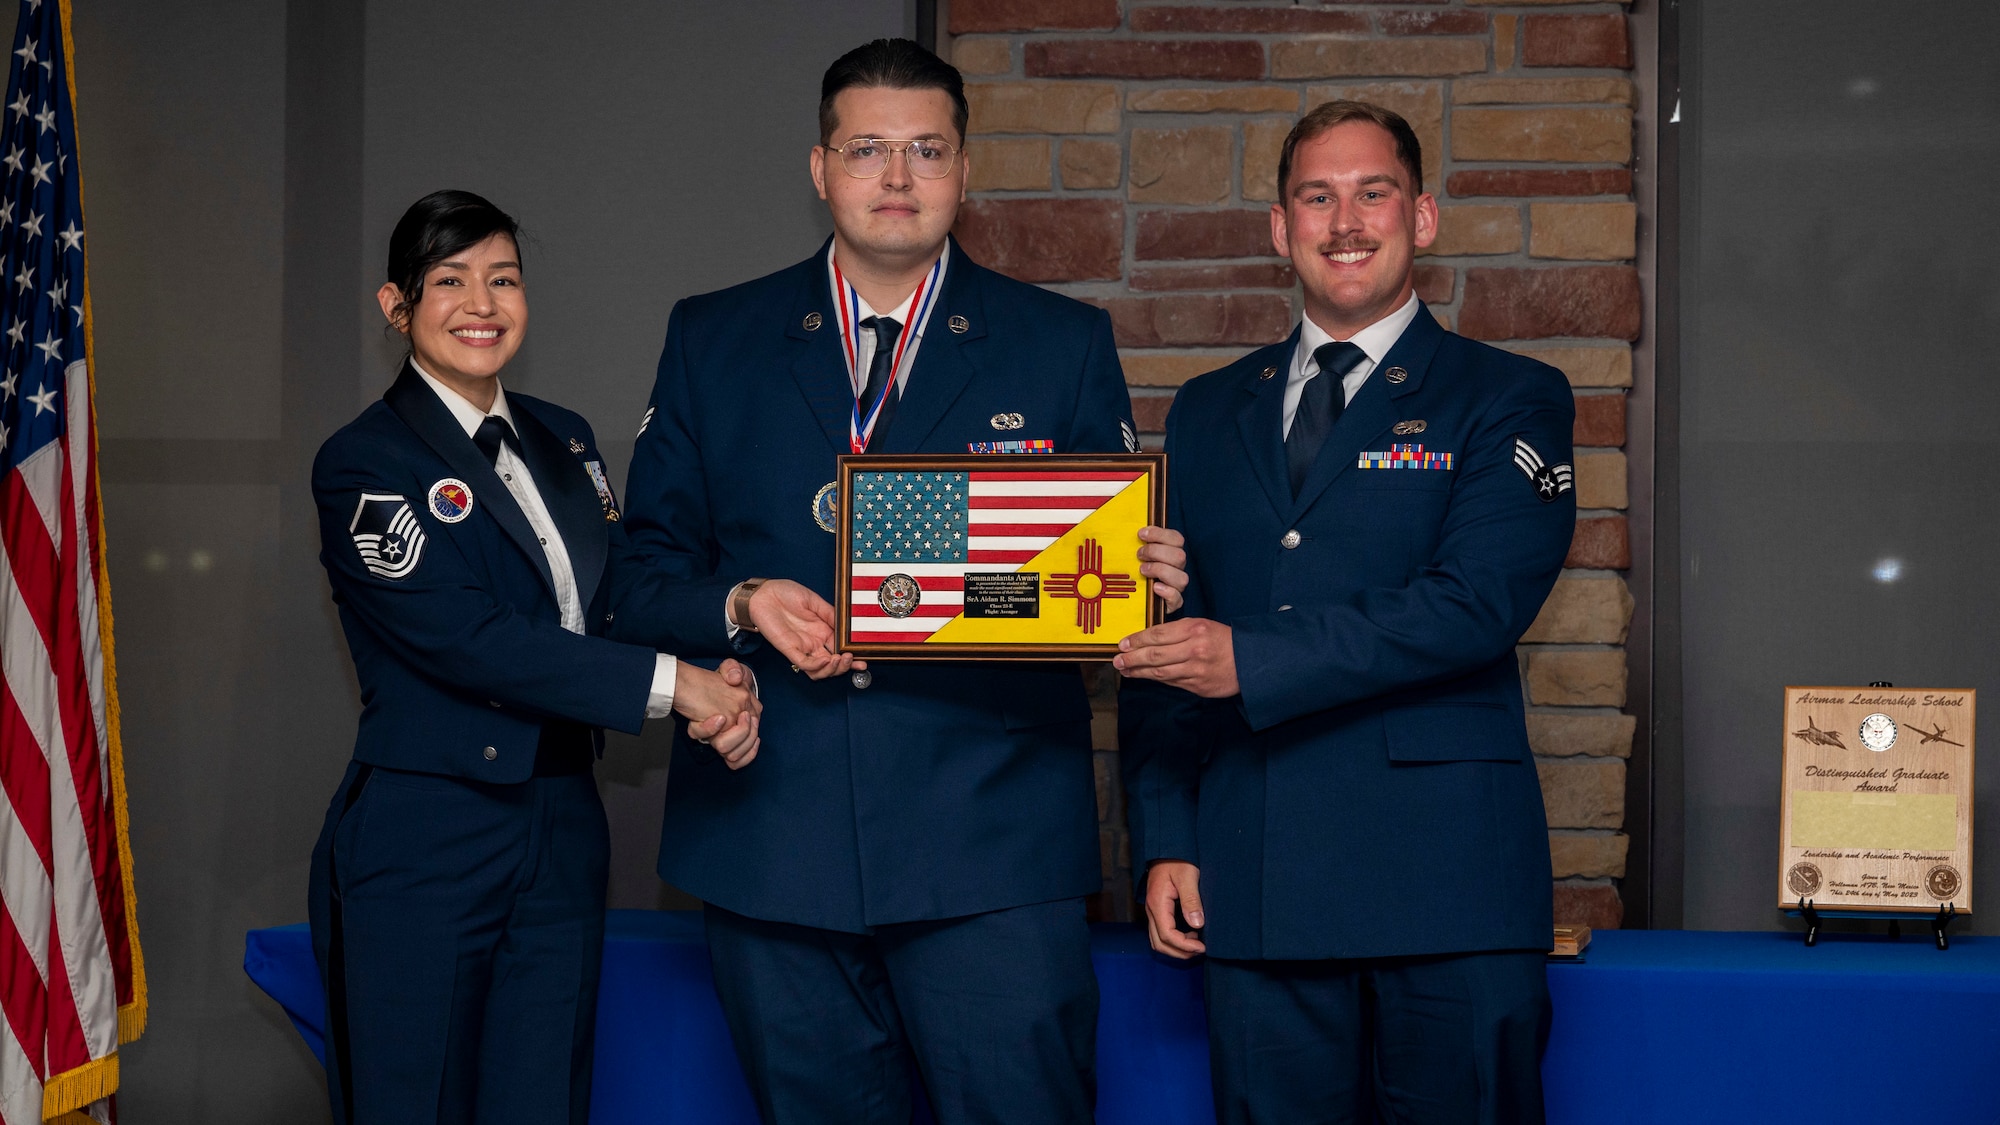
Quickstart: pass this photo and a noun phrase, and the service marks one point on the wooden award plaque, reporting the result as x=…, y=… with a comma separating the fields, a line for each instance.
x=1877, y=813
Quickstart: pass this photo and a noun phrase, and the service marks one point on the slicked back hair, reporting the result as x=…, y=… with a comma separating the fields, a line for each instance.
x=898, y=64
x=1324, y=117
x=435, y=227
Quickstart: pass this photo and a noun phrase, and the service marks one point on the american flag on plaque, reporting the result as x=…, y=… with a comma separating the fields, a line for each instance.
x=995, y=557
x=72, y=985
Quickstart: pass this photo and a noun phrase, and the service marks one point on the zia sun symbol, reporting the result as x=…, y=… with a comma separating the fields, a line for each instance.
x=1090, y=586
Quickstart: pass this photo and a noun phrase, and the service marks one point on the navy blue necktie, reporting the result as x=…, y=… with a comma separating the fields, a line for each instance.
x=1320, y=404
x=881, y=373
x=492, y=432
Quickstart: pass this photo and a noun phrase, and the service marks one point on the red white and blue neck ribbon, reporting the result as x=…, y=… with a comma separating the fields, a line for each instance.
x=859, y=428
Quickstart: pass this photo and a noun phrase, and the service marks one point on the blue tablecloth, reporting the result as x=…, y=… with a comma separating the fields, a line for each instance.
x=1659, y=1027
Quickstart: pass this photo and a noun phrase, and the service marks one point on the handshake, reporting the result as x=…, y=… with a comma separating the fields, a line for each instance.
x=721, y=707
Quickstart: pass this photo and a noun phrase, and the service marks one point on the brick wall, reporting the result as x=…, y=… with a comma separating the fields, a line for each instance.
x=1126, y=154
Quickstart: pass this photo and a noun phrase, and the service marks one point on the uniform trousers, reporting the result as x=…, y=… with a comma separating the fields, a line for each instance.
x=996, y=1013
x=459, y=927
x=1448, y=1040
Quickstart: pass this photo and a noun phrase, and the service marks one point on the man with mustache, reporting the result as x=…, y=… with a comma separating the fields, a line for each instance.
x=897, y=880
x=1330, y=785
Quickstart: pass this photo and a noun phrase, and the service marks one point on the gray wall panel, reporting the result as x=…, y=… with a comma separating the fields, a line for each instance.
x=1839, y=454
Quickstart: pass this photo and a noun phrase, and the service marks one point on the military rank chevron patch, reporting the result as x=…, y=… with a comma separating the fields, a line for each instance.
x=1550, y=481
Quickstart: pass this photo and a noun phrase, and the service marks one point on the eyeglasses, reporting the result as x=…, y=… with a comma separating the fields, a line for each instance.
x=868, y=157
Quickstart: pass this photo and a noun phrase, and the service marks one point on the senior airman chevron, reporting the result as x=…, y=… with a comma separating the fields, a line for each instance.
x=999, y=556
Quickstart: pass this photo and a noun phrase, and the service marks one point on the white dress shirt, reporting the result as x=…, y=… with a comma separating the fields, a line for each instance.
x=865, y=354
x=521, y=484
x=1376, y=340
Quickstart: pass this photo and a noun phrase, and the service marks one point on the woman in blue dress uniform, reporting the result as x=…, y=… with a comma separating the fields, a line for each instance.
x=473, y=545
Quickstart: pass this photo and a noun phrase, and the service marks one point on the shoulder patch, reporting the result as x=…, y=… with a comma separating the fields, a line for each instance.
x=450, y=500
x=1549, y=481
x=387, y=534
x=1131, y=437
x=646, y=421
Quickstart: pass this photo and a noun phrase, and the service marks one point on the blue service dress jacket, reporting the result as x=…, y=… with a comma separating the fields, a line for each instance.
x=445, y=594
x=1371, y=792
x=913, y=791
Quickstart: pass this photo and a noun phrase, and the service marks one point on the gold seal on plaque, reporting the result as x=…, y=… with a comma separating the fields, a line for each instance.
x=1804, y=879
x=1943, y=882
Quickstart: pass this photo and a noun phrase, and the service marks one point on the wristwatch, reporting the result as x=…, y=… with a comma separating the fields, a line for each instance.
x=739, y=603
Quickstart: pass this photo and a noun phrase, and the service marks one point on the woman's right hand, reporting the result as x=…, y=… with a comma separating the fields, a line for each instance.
x=722, y=709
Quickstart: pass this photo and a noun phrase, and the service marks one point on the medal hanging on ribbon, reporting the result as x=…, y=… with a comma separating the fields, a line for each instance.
x=860, y=428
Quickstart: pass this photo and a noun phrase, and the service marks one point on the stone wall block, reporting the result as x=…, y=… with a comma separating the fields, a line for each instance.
x=1600, y=420
x=1341, y=58
x=1594, y=135
x=1185, y=320
x=970, y=16
x=1225, y=99
x=1245, y=20
x=1601, y=480
x=1576, y=678
x=1042, y=107
x=1583, y=611
x=1181, y=165
x=1594, y=40
x=978, y=56
x=1590, y=855
x=1149, y=412
x=1469, y=229
x=1539, y=181
x=1263, y=141
x=1487, y=90
x=1584, y=904
x=1560, y=734
x=1167, y=235
x=1603, y=232
x=1583, y=792
x=1420, y=103
x=1452, y=22
x=1170, y=369
x=1007, y=164
x=1088, y=165
x=1213, y=60
x=1045, y=239
x=1600, y=543
x=1526, y=304
x=1586, y=367
x=1251, y=275
x=1435, y=284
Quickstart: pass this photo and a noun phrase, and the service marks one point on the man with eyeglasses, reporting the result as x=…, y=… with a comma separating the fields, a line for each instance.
x=895, y=886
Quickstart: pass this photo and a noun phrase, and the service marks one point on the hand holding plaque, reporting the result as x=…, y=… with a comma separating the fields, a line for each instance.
x=997, y=557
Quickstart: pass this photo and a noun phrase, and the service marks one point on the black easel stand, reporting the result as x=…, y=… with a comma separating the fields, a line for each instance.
x=1940, y=921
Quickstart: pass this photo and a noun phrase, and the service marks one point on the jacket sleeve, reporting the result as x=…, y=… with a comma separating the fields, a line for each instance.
x=1498, y=554
x=1102, y=419
x=1162, y=735
x=433, y=611
x=669, y=594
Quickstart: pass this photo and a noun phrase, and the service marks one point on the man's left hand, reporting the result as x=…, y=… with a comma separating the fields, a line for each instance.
x=1164, y=560
x=1193, y=653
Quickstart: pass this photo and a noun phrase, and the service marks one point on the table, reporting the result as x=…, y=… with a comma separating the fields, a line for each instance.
x=1652, y=1027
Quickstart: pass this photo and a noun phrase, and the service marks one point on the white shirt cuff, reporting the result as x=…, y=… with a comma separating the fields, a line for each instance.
x=660, y=699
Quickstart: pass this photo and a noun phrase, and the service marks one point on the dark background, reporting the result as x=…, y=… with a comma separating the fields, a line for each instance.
x=1839, y=480
x=244, y=164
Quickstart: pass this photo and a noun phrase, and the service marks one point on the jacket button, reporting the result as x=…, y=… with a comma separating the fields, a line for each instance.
x=493, y=703
x=1290, y=539
x=491, y=753
x=607, y=618
x=862, y=679
x=1283, y=608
